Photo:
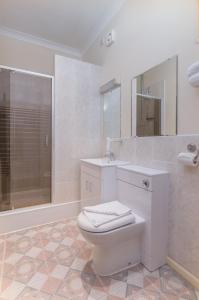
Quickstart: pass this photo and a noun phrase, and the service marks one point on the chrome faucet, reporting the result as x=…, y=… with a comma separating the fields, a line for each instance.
x=110, y=156
x=109, y=153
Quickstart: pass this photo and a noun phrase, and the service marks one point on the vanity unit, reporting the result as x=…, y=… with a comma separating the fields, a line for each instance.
x=98, y=180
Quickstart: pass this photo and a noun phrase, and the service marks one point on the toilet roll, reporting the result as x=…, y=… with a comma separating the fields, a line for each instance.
x=193, y=69
x=194, y=80
x=188, y=159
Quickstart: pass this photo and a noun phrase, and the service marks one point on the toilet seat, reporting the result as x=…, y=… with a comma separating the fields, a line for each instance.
x=84, y=223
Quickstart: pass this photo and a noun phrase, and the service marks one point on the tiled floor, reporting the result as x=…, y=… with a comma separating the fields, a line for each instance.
x=52, y=262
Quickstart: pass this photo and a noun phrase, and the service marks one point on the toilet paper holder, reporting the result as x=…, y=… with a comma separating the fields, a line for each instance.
x=193, y=148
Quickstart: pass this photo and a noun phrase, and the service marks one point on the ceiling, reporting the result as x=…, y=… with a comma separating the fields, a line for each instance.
x=71, y=23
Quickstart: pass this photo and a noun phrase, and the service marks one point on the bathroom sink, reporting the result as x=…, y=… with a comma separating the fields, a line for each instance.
x=104, y=162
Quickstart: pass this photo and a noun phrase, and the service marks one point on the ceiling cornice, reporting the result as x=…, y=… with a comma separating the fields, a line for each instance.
x=69, y=51
x=5, y=31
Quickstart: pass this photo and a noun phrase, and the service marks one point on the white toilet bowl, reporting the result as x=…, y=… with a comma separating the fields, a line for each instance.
x=115, y=249
x=127, y=241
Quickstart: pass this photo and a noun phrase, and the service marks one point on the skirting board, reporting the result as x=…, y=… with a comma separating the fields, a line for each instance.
x=193, y=280
x=19, y=219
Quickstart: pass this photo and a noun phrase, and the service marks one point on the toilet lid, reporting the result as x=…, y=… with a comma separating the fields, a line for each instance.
x=86, y=225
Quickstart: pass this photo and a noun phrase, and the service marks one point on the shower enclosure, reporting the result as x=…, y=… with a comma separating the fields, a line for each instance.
x=25, y=139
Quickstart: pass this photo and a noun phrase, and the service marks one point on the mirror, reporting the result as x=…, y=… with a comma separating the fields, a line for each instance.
x=155, y=100
x=111, y=110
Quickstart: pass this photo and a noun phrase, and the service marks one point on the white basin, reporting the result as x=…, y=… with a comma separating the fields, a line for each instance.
x=104, y=162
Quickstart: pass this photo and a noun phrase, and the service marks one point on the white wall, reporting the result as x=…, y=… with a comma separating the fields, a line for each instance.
x=23, y=55
x=147, y=33
x=77, y=123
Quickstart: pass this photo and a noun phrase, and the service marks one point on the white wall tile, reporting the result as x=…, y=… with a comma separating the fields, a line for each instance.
x=77, y=123
x=161, y=153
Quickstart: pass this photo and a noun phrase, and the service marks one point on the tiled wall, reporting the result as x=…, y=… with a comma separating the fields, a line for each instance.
x=161, y=153
x=77, y=123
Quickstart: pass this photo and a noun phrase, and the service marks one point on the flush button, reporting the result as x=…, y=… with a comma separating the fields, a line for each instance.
x=146, y=183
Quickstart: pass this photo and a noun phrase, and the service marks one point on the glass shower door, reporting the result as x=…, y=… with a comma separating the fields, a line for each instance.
x=5, y=203
x=26, y=142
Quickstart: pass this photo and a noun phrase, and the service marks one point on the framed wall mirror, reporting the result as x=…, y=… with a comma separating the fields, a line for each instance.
x=111, y=108
x=154, y=100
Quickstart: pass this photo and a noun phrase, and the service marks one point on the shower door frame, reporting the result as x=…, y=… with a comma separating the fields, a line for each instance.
x=52, y=200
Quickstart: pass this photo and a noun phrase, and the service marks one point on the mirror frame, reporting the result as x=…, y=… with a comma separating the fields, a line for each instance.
x=134, y=99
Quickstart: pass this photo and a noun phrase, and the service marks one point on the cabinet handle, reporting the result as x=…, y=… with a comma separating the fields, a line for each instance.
x=146, y=183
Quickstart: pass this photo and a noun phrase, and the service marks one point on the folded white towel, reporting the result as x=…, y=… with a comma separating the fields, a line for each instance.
x=113, y=208
x=101, y=219
x=193, y=69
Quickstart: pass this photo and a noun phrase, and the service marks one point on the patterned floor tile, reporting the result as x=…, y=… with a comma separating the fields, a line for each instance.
x=56, y=297
x=114, y=298
x=5, y=283
x=97, y=295
x=47, y=267
x=54, y=262
x=67, y=241
x=13, y=258
x=23, y=244
x=102, y=283
x=118, y=288
x=32, y=294
x=121, y=276
x=172, y=283
x=135, y=293
x=60, y=272
x=34, y=252
x=155, y=274
x=78, y=264
x=151, y=283
x=64, y=255
x=12, y=291
x=51, y=246
x=24, y=269
x=76, y=285
x=56, y=235
x=37, y=281
x=135, y=278
x=51, y=285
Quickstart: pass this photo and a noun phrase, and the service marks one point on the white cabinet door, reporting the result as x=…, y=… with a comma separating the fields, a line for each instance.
x=90, y=189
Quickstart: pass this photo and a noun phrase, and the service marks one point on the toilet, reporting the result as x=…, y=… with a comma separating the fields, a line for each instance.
x=127, y=241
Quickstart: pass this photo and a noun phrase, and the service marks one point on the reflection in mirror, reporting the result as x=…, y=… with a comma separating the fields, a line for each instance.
x=156, y=100
x=111, y=110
